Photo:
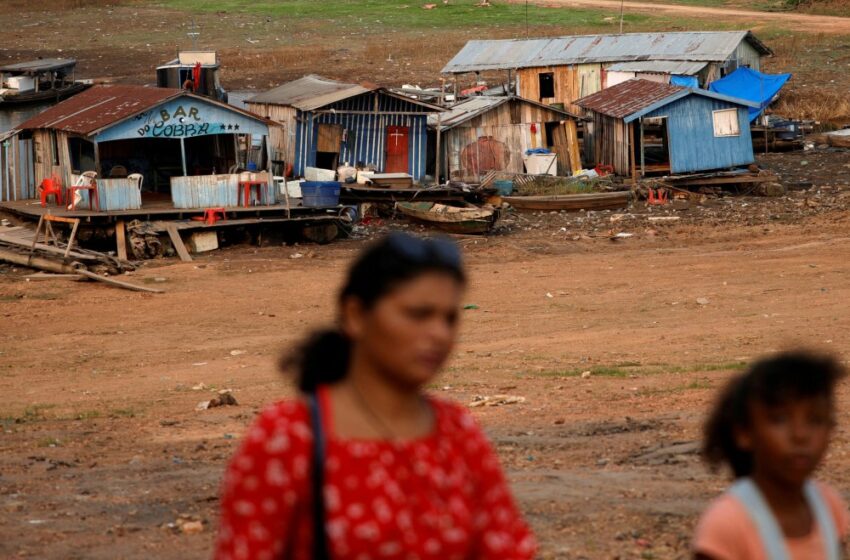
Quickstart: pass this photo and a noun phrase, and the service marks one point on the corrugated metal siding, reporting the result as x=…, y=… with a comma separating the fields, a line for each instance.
x=112, y=194
x=207, y=191
x=693, y=146
x=16, y=170
x=367, y=133
x=118, y=194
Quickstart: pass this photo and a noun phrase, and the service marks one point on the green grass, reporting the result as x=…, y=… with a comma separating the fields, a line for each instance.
x=394, y=15
x=49, y=442
x=626, y=369
x=87, y=415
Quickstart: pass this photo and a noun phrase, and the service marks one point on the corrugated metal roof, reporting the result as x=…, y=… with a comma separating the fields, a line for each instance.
x=309, y=93
x=632, y=99
x=99, y=106
x=504, y=54
x=629, y=97
x=675, y=67
x=465, y=110
x=41, y=65
x=478, y=105
x=314, y=92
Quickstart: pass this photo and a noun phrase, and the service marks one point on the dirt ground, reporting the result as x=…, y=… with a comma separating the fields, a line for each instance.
x=102, y=450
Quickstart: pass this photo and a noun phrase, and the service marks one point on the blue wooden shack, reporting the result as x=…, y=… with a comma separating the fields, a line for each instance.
x=319, y=122
x=641, y=127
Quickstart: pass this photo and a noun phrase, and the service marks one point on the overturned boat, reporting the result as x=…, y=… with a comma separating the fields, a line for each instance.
x=464, y=219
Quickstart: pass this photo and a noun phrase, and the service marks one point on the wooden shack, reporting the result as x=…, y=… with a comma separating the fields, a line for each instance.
x=319, y=122
x=483, y=134
x=642, y=127
x=175, y=140
x=559, y=70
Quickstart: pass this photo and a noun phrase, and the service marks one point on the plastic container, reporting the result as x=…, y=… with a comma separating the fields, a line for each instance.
x=504, y=188
x=317, y=194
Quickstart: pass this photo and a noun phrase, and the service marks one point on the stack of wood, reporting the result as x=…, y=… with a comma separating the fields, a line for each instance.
x=44, y=249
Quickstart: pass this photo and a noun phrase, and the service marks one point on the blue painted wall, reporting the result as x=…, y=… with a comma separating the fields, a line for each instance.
x=184, y=117
x=366, y=134
x=693, y=146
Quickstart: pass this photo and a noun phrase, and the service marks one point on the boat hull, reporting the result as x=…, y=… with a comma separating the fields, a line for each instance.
x=451, y=219
x=571, y=202
x=41, y=96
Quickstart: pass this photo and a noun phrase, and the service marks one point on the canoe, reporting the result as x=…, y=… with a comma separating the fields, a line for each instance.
x=589, y=201
x=467, y=219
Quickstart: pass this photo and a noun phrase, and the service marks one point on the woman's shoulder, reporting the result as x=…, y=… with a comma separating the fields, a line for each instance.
x=454, y=416
x=724, y=529
x=285, y=420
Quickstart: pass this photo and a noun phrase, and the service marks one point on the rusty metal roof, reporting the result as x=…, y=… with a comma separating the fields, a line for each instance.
x=632, y=99
x=100, y=106
x=504, y=54
x=629, y=97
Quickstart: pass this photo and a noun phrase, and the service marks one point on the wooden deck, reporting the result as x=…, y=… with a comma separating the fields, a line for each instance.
x=162, y=210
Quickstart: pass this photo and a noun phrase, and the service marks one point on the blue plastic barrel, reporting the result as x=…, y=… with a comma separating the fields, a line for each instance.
x=504, y=188
x=320, y=193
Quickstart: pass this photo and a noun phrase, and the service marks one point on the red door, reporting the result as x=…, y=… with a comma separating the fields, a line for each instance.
x=397, y=139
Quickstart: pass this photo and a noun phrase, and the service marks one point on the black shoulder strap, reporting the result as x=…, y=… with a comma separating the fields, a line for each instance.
x=320, y=538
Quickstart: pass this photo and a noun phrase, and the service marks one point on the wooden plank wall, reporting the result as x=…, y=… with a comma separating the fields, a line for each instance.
x=571, y=83
x=281, y=130
x=611, y=144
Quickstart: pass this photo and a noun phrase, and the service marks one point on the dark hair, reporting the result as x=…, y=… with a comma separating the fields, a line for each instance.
x=773, y=380
x=397, y=258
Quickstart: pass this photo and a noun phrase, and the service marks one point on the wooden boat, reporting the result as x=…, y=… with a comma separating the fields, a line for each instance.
x=49, y=79
x=589, y=201
x=467, y=219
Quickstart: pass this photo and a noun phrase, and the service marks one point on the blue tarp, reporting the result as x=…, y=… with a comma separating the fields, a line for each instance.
x=751, y=85
x=685, y=81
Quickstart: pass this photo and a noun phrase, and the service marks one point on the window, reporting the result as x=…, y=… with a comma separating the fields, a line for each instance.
x=726, y=122
x=547, y=85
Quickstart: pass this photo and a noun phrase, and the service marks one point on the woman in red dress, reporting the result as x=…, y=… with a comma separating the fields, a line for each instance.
x=402, y=475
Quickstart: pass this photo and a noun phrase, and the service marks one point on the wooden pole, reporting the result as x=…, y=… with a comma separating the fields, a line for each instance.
x=632, y=159
x=642, y=153
x=38, y=263
x=97, y=159
x=183, y=155
x=439, y=159
x=120, y=240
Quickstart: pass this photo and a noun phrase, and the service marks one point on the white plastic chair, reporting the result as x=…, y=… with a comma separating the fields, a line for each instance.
x=139, y=179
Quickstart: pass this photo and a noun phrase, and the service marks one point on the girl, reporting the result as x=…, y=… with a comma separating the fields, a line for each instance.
x=364, y=464
x=772, y=426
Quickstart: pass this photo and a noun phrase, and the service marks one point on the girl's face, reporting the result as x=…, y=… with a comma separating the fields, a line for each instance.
x=788, y=440
x=409, y=333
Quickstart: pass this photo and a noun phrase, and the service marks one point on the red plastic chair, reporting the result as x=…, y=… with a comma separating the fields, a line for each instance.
x=49, y=187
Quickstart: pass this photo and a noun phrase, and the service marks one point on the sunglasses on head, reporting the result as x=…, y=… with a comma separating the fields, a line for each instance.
x=438, y=249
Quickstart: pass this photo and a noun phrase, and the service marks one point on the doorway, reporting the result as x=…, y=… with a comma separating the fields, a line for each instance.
x=652, y=154
x=328, y=145
x=398, y=138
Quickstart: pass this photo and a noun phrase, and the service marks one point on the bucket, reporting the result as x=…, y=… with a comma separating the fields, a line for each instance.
x=320, y=193
x=504, y=188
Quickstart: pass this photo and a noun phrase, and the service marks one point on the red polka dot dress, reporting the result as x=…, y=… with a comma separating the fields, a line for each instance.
x=442, y=496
